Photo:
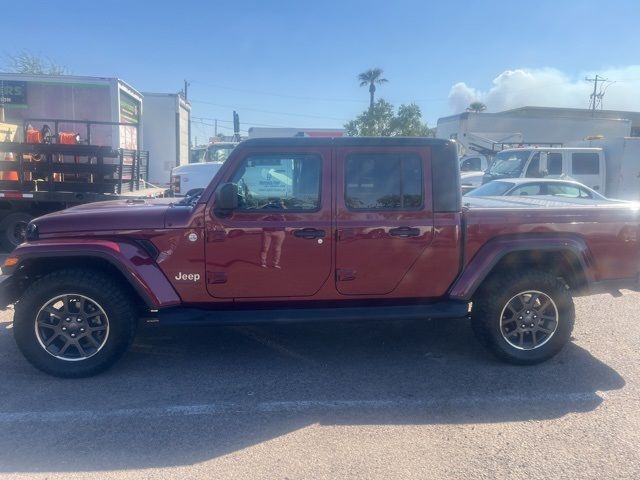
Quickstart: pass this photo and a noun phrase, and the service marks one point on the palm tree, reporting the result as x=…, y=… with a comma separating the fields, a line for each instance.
x=372, y=77
x=476, y=107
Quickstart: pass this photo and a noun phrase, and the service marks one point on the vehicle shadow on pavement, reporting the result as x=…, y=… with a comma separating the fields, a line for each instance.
x=183, y=396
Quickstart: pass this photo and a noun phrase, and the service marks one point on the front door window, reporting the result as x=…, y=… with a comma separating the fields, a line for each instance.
x=279, y=182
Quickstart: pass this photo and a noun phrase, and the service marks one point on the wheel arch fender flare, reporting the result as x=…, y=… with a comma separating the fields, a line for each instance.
x=131, y=259
x=489, y=256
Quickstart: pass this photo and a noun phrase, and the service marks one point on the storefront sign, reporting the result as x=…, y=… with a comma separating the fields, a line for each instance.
x=13, y=92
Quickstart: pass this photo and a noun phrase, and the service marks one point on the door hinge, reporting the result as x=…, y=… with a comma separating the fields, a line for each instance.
x=345, y=274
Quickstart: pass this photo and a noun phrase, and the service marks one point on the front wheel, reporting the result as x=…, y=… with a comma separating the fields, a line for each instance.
x=74, y=323
x=523, y=318
x=13, y=230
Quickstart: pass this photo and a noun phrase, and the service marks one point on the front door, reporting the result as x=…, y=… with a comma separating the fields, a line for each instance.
x=384, y=217
x=278, y=243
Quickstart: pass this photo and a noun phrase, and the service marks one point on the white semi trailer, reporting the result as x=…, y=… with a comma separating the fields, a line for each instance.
x=165, y=127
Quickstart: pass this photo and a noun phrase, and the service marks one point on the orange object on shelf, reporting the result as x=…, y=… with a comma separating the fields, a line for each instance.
x=11, y=174
x=67, y=138
x=34, y=136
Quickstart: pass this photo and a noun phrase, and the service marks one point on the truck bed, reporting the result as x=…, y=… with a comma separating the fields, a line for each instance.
x=608, y=229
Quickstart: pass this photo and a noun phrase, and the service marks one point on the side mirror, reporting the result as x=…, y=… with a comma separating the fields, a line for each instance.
x=543, y=170
x=227, y=197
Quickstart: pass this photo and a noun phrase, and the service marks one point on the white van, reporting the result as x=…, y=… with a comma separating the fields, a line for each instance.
x=585, y=165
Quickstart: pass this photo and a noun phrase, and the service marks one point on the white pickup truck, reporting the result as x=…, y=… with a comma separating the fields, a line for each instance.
x=194, y=176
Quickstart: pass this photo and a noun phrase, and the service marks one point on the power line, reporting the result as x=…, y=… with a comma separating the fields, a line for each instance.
x=199, y=122
x=268, y=111
x=280, y=95
x=245, y=122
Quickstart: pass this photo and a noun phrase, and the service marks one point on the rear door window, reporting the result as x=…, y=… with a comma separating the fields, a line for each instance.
x=383, y=181
x=567, y=191
x=585, y=163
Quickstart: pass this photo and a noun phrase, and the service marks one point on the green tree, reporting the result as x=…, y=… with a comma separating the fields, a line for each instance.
x=25, y=61
x=372, y=77
x=476, y=107
x=382, y=121
x=408, y=122
x=374, y=122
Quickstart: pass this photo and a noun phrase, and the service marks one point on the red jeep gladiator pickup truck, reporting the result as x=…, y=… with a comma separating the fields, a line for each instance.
x=316, y=229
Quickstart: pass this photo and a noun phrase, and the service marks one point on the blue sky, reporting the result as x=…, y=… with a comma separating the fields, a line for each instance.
x=294, y=64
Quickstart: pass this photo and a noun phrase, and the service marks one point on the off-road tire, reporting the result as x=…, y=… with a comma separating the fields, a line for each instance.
x=8, y=238
x=493, y=297
x=116, y=301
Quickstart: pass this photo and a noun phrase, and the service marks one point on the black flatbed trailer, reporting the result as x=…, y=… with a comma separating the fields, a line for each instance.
x=40, y=178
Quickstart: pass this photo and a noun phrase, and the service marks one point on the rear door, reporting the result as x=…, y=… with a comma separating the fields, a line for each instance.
x=586, y=168
x=384, y=216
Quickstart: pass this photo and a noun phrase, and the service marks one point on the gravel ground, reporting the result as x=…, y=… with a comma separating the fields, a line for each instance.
x=397, y=400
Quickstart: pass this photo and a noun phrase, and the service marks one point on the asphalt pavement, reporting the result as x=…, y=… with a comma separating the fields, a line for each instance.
x=395, y=400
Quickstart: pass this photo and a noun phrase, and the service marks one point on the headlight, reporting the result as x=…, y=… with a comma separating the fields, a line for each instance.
x=175, y=183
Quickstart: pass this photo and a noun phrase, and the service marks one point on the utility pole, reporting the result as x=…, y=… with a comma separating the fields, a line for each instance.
x=595, y=99
x=236, y=126
x=186, y=87
x=215, y=127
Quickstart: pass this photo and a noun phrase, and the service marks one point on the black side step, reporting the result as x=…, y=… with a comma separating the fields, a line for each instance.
x=196, y=316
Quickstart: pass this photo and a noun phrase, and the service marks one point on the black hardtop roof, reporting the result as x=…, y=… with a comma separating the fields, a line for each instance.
x=344, y=142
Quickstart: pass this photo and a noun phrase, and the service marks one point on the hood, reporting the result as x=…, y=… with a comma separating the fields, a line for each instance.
x=133, y=214
x=197, y=168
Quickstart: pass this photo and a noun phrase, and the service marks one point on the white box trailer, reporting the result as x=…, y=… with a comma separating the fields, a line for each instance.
x=166, y=134
x=41, y=99
x=487, y=133
x=622, y=157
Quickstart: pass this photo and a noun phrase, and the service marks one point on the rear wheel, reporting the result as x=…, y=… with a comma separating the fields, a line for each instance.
x=523, y=318
x=74, y=323
x=13, y=229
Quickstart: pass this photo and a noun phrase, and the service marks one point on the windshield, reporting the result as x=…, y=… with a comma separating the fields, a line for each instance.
x=491, y=189
x=509, y=163
x=218, y=153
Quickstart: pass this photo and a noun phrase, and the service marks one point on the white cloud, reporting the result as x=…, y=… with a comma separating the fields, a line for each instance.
x=549, y=87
